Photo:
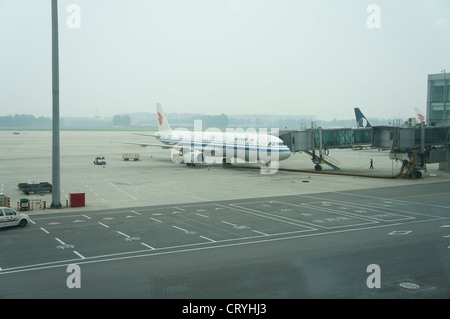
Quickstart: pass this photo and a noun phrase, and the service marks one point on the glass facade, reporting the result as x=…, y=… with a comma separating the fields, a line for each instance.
x=438, y=100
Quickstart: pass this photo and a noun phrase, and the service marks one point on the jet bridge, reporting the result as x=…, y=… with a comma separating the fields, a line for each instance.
x=415, y=145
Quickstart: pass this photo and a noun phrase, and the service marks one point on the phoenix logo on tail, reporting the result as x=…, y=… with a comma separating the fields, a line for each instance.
x=420, y=116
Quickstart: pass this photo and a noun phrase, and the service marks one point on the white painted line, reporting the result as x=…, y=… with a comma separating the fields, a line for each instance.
x=123, y=234
x=446, y=236
x=156, y=220
x=87, y=217
x=103, y=224
x=45, y=230
x=180, y=209
x=208, y=239
x=120, y=190
x=260, y=232
x=443, y=226
x=180, y=229
x=79, y=255
x=400, y=232
x=60, y=241
x=31, y=221
x=134, y=212
x=228, y=223
x=185, y=248
x=201, y=215
x=147, y=246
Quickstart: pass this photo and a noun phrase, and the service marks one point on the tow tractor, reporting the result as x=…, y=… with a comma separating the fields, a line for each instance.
x=100, y=160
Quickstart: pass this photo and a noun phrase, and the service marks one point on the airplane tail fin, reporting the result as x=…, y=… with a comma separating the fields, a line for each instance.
x=163, y=125
x=361, y=120
x=420, y=115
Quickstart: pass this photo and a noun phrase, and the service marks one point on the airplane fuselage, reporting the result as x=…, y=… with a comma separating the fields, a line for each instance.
x=215, y=146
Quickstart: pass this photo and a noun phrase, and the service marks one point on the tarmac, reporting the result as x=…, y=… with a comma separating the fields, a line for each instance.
x=155, y=229
x=156, y=180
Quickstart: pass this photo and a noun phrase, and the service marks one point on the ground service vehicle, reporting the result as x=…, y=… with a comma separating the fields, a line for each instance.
x=9, y=217
x=100, y=160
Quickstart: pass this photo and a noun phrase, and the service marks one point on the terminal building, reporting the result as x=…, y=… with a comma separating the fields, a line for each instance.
x=438, y=99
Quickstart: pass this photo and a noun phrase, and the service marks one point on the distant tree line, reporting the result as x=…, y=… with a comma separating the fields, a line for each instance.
x=122, y=120
x=185, y=120
x=24, y=120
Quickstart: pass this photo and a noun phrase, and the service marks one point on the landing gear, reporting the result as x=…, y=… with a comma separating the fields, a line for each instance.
x=318, y=167
x=415, y=174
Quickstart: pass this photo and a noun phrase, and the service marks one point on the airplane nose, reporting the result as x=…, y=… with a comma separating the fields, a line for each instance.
x=286, y=154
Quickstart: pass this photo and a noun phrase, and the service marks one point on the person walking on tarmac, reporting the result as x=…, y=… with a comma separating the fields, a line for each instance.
x=371, y=164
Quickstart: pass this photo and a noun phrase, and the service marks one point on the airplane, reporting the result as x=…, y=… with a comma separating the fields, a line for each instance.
x=213, y=146
x=361, y=120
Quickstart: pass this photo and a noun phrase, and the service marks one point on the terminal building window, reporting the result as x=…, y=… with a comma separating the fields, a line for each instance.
x=438, y=100
x=437, y=91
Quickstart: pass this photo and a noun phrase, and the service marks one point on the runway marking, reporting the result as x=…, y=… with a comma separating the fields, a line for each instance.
x=234, y=225
x=44, y=230
x=80, y=255
x=134, y=212
x=87, y=217
x=190, y=248
x=201, y=215
x=260, y=232
x=156, y=220
x=148, y=246
x=395, y=200
x=60, y=241
x=278, y=218
x=186, y=231
x=123, y=234
x=103, y=224
x=195, y=247
x=400, y=232
x=211, y=240
x=120, y=190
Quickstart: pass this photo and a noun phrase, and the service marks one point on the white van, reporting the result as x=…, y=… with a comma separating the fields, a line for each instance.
x=9, y=217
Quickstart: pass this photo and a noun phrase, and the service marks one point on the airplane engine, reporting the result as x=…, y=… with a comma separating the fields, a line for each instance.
x=192, y=158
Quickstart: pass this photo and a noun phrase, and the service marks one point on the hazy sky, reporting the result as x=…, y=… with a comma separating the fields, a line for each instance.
x=317, y=57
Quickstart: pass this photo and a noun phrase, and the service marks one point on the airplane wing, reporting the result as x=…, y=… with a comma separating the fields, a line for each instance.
x=146, y=144
x=143, y=134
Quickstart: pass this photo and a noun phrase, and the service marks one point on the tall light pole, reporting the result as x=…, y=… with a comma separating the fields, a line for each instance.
x=56, y=198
